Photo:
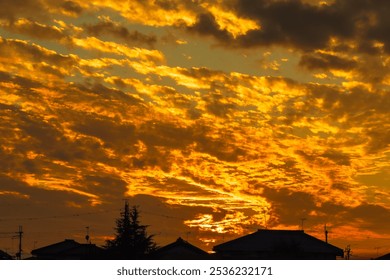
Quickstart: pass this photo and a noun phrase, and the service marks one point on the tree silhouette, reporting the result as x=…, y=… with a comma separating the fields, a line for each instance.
x=131, y=239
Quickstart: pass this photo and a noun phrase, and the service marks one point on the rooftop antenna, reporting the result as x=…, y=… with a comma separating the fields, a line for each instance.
x=87, y=237
x=377, y=251
x=302, y=220
x=20, y=235
x=265, y=217
x=326, y=234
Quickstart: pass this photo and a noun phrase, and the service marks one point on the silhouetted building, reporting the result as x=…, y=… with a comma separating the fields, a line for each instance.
x=277, y=245
x=5, y=256
x=180, y=250
x=69, y=250
x=384, y=257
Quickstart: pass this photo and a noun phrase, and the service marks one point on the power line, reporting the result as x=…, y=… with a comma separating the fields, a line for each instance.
x=19, y=236
x=57, y=216
x=85, y=214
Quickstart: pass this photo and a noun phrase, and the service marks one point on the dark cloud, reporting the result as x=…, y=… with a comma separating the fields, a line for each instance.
x=44, y=136
x=116, y=136
x=166, y=4
x=165, y=134
x=379, y=139
x=326, y=62
x=206, y=25
x=72, y=7
x=219, y=108
x=166, y=221
x=360, y=108
x=51, y=71
x=373, y=216
x=303, y=26
x=107, y=186
x=25, y=83
x=220, y=144
x=282, y=22
x=39, y=199
x=110, y=28
x=351, y=103
x=36, y=9
x=200, y=73
x=220, y=148
x=36, y=30
x=289, y=207
x=34, y=53
x=292, y=23
x=101, y=92
x=338, y=157
x=376, y=22
x=13, y=9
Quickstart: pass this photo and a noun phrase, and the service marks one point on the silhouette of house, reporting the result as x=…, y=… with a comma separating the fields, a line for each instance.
x=384, y=257
x=68, y=250
x=277, y=245
x=5, y=256
x=180, y=250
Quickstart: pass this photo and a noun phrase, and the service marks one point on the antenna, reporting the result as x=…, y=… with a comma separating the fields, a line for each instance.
x=20, y=235
x=302, y=220
x=377, y=251
x=326, y=234
x=265, y=217
x=87, y=237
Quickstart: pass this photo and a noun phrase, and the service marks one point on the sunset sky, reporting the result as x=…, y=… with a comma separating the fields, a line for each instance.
x=216, y=117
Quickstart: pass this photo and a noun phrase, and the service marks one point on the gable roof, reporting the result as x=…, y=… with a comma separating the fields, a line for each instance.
x=384, y=257
x=83, y=249
x=56, y=248
x=68, y=249
x=278, y=240
x=5, y=256
x=180, y=249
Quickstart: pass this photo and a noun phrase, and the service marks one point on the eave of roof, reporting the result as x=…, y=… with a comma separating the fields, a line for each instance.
x=180, y=243
x=271, y=240
x=55, y=248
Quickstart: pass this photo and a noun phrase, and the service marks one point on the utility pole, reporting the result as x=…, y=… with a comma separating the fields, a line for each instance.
x=20, y=235
x=348, y=252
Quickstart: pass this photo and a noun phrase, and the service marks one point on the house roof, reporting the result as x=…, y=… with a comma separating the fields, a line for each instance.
x=83, y=249
x=180, y=249
x=56, y=248
x=273, y=240
x=5, y=256
x=68, y=249
x=384, y=257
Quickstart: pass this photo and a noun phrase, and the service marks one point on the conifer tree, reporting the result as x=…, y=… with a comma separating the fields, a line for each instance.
x=131, y=239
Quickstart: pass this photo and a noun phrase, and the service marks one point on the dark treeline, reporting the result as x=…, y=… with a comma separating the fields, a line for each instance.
x=131, y=239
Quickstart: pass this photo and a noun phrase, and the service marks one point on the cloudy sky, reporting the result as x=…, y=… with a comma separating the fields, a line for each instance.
x=216, y=117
